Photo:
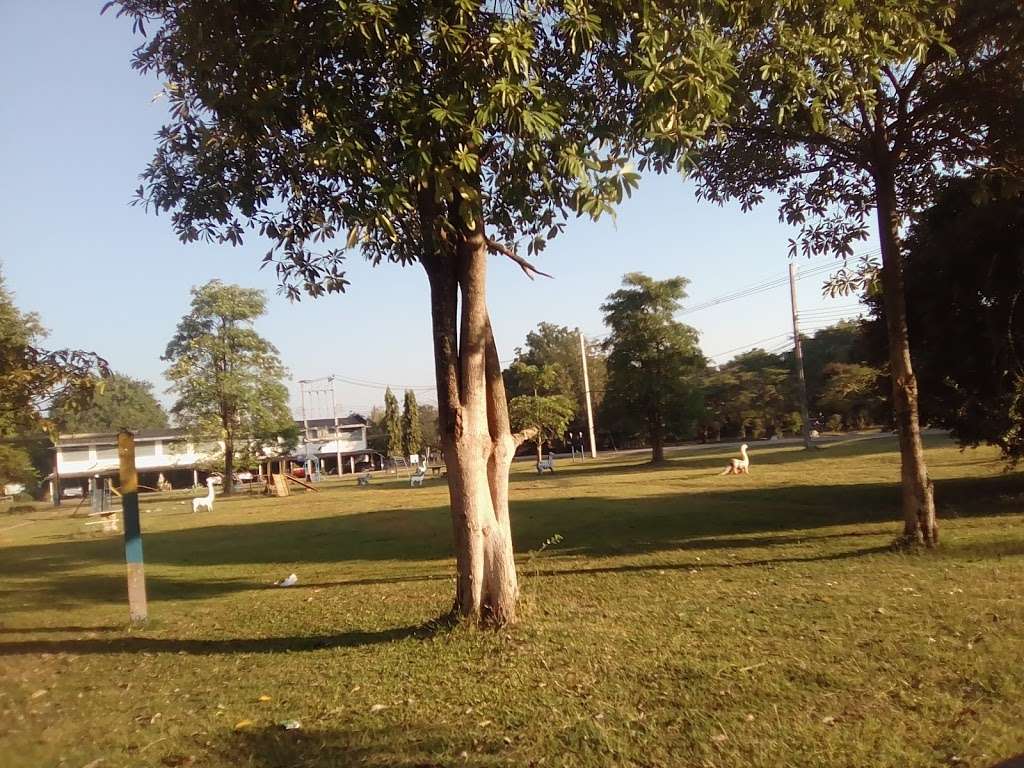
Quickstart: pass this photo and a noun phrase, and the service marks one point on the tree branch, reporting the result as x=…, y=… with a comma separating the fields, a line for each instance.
x=528, y=269
x=527, y=434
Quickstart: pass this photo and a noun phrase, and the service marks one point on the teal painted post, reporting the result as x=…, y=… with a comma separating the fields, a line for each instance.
x=137, y=606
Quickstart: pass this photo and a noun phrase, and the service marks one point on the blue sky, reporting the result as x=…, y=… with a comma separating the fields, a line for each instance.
x=76, y=129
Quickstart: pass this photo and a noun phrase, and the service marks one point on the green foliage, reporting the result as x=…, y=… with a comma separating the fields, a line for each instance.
x=428, y=425
x=547, y=415
x=412, y=431
x=16, y=466
x=751, y=396
x=119, y=401
x=392, y=425
x=395, y=126
x=964, y=278
x=653, y=360
x=228, y=379
x=557, y=346
x=852, y=391
x=836, y=103
x=32, y=379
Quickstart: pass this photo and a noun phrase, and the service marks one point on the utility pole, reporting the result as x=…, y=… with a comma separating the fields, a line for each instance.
x=586, y=390
x=799, y=355
x=337, y=429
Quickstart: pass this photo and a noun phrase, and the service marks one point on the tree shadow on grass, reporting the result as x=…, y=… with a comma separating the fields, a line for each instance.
x=206, y=647
x=736, y=517
x=379, y=746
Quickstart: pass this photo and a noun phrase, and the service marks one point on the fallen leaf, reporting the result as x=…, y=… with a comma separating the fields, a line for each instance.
x=718, y=738
x=37, y=694
x=828, y=720
x=377, y=708
x=242, y=724
x=483, y=723
x=264, y=697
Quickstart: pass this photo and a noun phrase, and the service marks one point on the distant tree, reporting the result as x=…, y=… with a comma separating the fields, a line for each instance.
x=844, y=109
x=412, y=431
x=543, y=412
x=228, y=379
x=751, y=396
x=964, y=278
x=33, y=379
x=653, y=360
x=558, y=345
x=423, y=132
x=392, y=425
x=16, y=466
x=838, y=343
x=428, y=422
x=852, y=391
x=119, y=402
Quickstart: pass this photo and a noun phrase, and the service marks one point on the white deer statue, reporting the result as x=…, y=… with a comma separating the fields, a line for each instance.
x=739, y=466
x=205, y=502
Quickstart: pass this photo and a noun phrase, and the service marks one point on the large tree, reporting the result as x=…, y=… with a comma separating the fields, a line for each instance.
x=848, y=109
x=964, y=279
x=228, y=379
x=420, y=132
x=121, y=401
x=559, y=346
x=751, y=396
x=653, y=359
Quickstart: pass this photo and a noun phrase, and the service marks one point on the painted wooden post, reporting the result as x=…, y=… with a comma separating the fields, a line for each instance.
x=132, y=530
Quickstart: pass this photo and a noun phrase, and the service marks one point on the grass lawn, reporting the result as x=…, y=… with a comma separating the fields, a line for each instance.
x=684, y=619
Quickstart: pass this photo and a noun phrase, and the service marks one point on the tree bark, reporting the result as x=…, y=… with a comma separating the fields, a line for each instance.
x=657, y=439
x=917, y=496
x=472, y=420
x=229, y=466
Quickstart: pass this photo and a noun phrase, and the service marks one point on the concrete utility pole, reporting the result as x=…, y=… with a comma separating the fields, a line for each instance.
x=586, y=390
x=337, y=429
x=799, y=355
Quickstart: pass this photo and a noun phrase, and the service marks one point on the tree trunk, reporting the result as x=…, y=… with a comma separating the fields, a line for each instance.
x=229, y=466
x=920, y=525
x=540, y=450
x=657, y=439
x=472, y=420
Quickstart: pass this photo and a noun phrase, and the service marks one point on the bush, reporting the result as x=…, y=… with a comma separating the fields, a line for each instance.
x=834, y=423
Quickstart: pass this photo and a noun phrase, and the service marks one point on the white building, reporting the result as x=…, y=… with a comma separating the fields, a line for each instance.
x=182, y=461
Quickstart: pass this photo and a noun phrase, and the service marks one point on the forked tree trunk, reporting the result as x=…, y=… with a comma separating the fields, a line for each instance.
x=472, y=420
x=918, y=502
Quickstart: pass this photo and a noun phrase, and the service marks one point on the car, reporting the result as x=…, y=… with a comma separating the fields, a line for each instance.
x=73, y=492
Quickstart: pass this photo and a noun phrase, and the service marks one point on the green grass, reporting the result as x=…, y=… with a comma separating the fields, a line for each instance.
x=684, y=619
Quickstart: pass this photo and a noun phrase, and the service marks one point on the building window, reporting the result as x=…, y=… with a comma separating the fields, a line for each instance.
x=145, y=449
x=106, y=453
x=74, y=454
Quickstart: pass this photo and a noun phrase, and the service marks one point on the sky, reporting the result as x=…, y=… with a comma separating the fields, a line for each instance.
x=77, y=127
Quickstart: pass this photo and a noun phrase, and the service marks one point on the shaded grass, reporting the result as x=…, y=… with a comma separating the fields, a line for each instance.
x=684, y=619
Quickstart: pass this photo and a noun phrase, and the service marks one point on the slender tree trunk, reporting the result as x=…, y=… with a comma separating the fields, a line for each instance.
x=229, y=466
x=657, y=439
x=472, y=420
x=920, y=525
x=540, y=450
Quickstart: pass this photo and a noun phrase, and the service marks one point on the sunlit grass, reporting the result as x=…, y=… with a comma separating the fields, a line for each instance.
x=683, y=619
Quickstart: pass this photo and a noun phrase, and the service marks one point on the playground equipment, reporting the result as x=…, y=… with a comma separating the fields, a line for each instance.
x=546, y=465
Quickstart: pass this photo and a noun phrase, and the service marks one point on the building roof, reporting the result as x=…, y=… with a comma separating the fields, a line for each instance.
x=103, y=438
x=352, y=420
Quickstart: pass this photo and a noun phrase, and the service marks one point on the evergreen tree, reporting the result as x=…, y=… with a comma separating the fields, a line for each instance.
x=412, y=431
x=392, y=425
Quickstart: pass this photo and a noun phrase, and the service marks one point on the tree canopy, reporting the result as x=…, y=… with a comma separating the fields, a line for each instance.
x=392, y=425
x=120, y=401
x=412, y=431
x=653, y=360
x=228, y=379
x=33, y=379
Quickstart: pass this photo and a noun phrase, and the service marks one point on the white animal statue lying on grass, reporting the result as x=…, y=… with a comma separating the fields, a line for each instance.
x=205, y=502
x=547, y=464
x=739, y=466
